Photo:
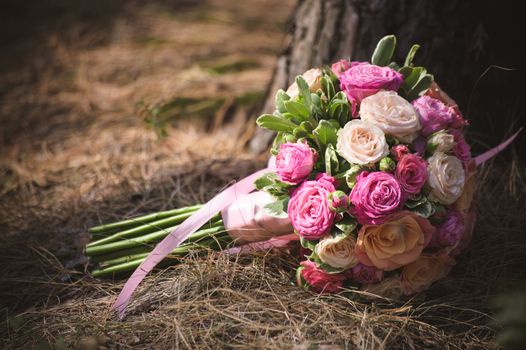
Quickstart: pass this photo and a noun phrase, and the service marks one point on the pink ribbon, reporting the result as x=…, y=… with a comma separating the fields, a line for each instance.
x=177, y=236
x=484, y=157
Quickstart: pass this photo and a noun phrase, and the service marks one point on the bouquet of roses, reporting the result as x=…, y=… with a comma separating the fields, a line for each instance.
x=370, y=171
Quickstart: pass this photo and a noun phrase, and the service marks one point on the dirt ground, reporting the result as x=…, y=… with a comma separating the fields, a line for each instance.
x=87, y=89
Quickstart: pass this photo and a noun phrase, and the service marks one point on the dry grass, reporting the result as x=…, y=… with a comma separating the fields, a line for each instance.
x=75, y=153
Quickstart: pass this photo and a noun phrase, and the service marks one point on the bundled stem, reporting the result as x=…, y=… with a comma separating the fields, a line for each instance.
x=126, y=244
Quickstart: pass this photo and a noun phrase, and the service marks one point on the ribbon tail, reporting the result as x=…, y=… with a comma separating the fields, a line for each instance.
x=177, y=236
x=484, y=157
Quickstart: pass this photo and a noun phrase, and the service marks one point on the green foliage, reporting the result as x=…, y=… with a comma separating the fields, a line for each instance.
x=332, y=164
x=278, y=208
x=275, y=123
x=325, y=134
x=271, y=184
x=421, y=205
x=347, y=225
x=384, y=51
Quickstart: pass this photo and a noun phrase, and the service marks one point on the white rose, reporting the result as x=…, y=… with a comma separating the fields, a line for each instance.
x=445, y=177
x=361, y=142
x=313, y=79
x=391, y=113
x=337, y=252
x=441, y=142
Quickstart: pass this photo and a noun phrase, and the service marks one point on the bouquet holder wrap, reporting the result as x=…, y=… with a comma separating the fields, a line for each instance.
x=244, y=219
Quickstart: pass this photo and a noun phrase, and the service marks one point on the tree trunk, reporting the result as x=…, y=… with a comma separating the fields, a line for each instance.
x=459, y=40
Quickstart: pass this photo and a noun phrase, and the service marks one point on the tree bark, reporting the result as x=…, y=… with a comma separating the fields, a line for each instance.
x=459, y=40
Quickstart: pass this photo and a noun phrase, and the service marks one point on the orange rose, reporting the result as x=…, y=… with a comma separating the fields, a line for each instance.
x=420, y=274
x=395, y=243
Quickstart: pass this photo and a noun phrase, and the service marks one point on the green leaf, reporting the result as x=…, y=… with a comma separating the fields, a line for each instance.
x=347, y=225
x=327, y=87
x=325, y=134
x=305, y=243
x=331, y=160
x=384, y=51
x=297, y=109
x=304, y=91
x=411, y=55
x=281, y=97
x=421, y=86
x=277, y=209
x=265, y=180
x=278, y=140
x=421, y=205
x=272, y=122
x=304, y=130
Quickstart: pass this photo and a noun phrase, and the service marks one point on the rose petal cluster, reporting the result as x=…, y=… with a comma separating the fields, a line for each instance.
x=363, y=79
x=411, y=172
x=318, y=280
x=427, y=269
x=375, y=196
x=313, y=79
x=364, y=274
x=396, y=243
x=361, y=143
x=446, y=178
x=295, y=162
x=337, y=251
x=309, y=208
x=435, y=115
x=450, y=231
x=391, y=113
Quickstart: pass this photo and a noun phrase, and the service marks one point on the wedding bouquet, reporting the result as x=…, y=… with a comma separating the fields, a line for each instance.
x=370, y=171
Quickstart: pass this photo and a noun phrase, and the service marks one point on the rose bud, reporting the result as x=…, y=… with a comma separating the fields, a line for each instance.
x=398, y=151
x=440, y=142
x=338, y=201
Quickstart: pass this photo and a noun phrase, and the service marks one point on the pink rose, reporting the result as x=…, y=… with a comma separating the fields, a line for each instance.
x=398, y=151
x=450, y=231
x=411, y=172
x=309, y=208
x=363, y=79
x=375, y=196
x=434, y=114
x=340, y=67
x=364, y=274
x=461, y=150
x=294, y=162
x=319, y=280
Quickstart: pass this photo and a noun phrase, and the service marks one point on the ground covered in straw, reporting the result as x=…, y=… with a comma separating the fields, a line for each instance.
x=84, y=100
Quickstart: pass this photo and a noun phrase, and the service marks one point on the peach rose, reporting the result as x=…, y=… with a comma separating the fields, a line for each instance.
x=337, y=252
x=313, y=79
x=361, y=143
x=391, y=113
x=446, y=178
x=390, y=288
x=420, y=274
x=395, y=243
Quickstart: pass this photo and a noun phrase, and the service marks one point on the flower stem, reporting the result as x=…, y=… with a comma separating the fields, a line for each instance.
x=143, y=229
x=143, y=219
x=147, y=239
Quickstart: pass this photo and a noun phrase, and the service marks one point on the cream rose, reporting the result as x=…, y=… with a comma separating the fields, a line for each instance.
x=420, y=274
x=395, y=243
x=391, y=113
x=361, y=142
x=313, y=79
x=390, y=288
x=337, y=252
x=441, y=142
x=445, y=177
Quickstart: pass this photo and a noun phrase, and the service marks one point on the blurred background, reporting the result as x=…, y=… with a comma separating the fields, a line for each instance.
x=115, y=108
